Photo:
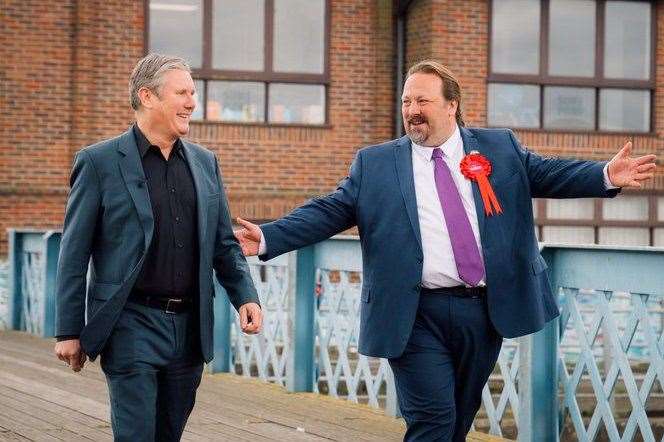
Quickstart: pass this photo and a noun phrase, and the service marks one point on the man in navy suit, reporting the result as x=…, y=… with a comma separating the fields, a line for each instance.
x=448, y=269
x=148, y=212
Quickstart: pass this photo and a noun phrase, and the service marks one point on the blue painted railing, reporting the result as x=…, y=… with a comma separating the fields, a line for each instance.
x=33, y=262
x=607, y=345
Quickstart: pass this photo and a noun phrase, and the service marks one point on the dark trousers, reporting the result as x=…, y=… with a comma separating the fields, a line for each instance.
x=439, y=378
x=153, y=366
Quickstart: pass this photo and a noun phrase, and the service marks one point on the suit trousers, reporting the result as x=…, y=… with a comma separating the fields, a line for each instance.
x=439, y=378
x=153, y=366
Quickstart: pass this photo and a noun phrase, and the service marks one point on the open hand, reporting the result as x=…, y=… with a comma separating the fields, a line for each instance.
x=71, y=353
x=251, y=318
x=249, y=237
x=625, y=171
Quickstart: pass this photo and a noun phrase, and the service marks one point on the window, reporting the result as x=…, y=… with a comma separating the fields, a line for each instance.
x=253, y=61
x=573, y=65
x=630, y=219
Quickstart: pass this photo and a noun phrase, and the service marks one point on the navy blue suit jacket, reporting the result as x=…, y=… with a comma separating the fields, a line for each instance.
x=109, y=223
x=378, y=197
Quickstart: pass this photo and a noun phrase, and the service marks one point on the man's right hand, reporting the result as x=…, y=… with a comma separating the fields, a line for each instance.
x=70, y=351
x=249, y=237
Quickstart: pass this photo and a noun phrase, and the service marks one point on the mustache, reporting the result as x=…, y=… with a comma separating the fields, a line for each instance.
x=417, y=119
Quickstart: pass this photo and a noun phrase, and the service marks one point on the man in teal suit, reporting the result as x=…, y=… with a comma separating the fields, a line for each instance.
x=148, y=216
x=451, y=264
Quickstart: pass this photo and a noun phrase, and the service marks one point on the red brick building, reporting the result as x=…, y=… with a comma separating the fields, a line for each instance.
x=290, y=89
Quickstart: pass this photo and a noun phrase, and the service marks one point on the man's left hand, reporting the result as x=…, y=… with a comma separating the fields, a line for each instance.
x=251, y=318
x=625, y=171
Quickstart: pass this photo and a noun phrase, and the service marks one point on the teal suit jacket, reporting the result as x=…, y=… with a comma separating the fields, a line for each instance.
x=108, y=230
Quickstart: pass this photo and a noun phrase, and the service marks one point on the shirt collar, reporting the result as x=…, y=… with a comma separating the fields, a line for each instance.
x=452, y=148
x=144, y=144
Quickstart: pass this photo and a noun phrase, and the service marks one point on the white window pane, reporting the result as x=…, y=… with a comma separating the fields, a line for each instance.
x=572, y=38
x=627, y=40
x=624, y=110
x=200, y=90
x=176, y=28
x=297, y=103
x=569, y=108
x=568, y=235
x=236, y=101
x=237, y=34
x=658, y=237
x=628, y=208
x=299, y=36
x=570, y=208
x=624, y=236
x=514, y=105
x=515, y=36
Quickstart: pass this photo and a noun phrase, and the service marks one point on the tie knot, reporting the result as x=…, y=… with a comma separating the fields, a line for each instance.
x=437, y=153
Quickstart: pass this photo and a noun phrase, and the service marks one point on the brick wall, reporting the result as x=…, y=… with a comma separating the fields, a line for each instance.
x=66, y=66
x=456, y=33
x=64, y=81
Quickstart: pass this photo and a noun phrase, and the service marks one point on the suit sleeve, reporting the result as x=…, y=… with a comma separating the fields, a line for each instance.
x=562, y=178
x=81, y=214
x=318, y=219
x=229, y=263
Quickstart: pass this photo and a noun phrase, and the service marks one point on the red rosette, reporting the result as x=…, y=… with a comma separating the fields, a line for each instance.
x=477, y=167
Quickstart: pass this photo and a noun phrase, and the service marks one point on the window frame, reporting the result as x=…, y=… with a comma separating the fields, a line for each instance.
x=598, y=221
x=267, y=76
x=598, y=82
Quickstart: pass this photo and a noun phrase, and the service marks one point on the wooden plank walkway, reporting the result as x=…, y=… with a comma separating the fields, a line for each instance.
x=42, y=400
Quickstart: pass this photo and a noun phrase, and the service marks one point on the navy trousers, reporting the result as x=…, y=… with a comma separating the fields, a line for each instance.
x=153, y=366
x=439, y=378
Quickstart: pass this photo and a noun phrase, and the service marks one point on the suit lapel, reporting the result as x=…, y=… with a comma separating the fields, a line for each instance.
x=469, y=144
x=404, y=164
x=133, y=175
x=201, y=196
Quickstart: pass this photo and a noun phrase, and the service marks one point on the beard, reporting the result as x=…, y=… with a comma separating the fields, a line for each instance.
x=419, y=134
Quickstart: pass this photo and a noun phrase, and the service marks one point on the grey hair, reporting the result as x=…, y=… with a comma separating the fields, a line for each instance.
x=149, y=73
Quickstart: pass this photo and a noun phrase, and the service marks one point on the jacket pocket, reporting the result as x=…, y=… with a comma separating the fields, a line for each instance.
x=539, y=265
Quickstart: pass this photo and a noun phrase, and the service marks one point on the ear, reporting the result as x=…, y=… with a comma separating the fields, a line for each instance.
x=453, y=105
x=147, y=97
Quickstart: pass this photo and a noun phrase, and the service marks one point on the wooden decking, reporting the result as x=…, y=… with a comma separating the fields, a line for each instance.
x=42, y=400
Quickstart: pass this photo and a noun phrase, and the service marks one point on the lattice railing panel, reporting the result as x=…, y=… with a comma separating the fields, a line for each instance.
x=4, y=295
x=266, y=353
x=32, y=287
x=610, y=376
x=500, y=398
x=341, y=369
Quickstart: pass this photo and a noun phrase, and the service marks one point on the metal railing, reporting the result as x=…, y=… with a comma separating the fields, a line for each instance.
x=592, y=373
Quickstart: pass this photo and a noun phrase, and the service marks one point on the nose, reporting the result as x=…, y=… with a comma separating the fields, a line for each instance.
x=191, y=102
x=411, y=110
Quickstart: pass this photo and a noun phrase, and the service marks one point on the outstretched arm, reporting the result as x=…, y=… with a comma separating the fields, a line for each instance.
x=565, y=178
x=313, y=222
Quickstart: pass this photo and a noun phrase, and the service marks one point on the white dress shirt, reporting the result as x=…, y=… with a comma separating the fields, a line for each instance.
x=439, y=268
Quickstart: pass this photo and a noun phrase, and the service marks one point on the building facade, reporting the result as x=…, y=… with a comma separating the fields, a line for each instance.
x=288, y=90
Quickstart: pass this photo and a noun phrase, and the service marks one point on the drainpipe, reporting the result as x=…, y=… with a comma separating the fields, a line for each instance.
x=402, y=14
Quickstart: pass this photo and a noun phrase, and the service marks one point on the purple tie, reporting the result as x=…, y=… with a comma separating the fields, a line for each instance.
x=466, y=254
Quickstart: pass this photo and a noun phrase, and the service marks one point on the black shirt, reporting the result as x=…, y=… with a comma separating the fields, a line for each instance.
x=170, y=269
